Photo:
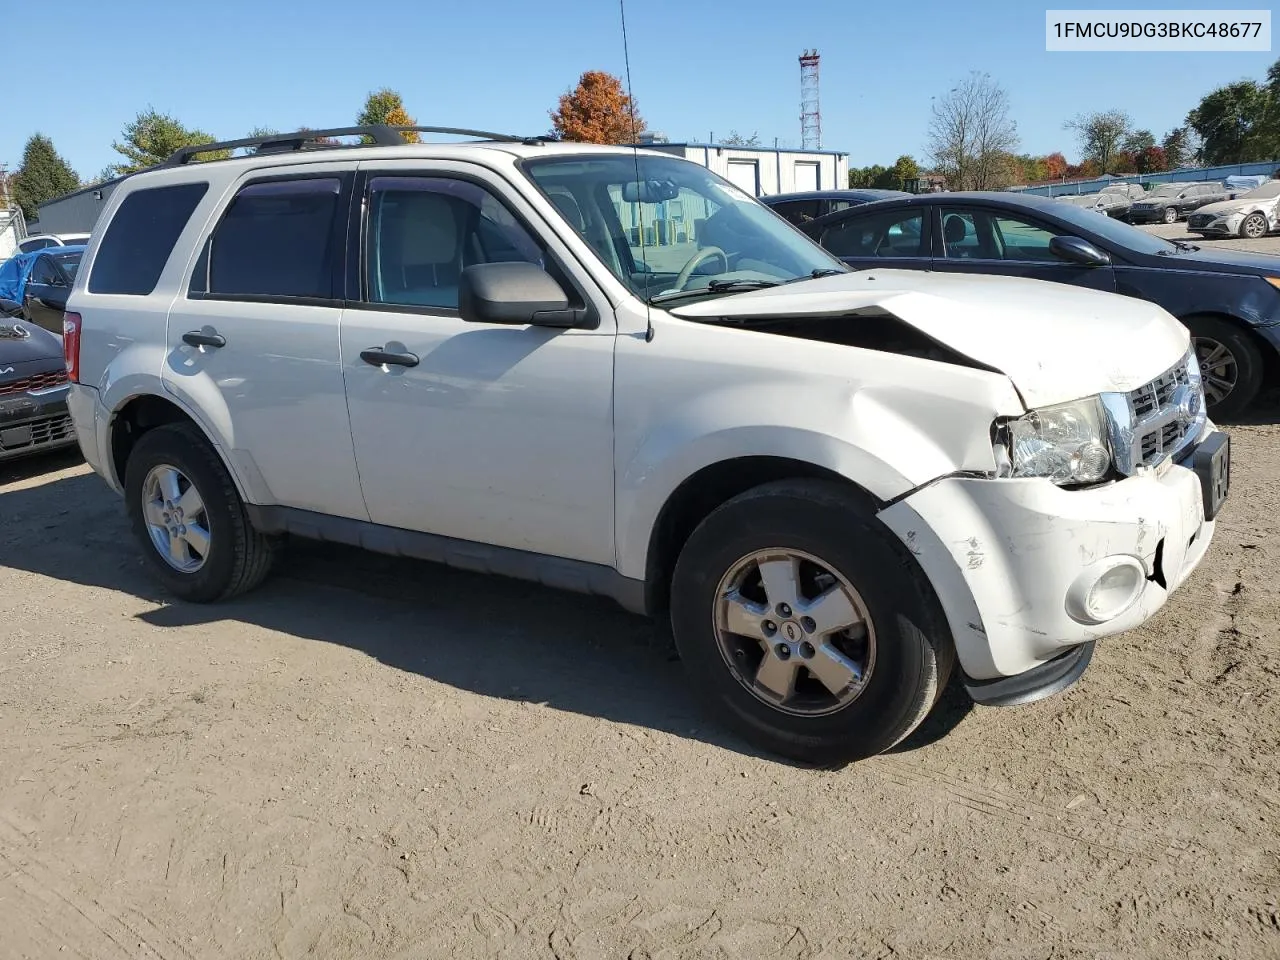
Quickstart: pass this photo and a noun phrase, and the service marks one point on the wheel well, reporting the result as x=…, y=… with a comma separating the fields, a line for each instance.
x=700, y=494
x=133, y=420
x=1270, y=356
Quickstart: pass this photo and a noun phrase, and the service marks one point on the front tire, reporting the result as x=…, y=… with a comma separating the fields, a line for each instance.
x=1254, y=226
x=805, y=626
x=189, y=519
x=1170, y=215
x=1231, y=365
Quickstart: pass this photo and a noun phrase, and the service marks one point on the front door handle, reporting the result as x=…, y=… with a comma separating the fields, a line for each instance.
x=379, y=357
x=198, y=338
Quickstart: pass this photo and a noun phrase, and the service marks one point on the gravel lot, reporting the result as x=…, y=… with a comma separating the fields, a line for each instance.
x=379, y=759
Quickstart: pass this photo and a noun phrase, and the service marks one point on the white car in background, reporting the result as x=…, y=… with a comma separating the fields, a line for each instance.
x=1252, y=215
x=832, y=485
x=40, y=241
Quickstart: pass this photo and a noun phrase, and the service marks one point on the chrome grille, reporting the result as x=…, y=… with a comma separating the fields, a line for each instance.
x=40, y=381
x=1159, y=419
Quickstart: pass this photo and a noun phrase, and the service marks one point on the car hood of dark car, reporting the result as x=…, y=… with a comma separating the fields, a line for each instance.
x=1219, y=260
x=21, y=342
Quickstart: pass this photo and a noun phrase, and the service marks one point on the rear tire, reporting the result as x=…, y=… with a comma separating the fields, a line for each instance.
x=189, y=519
x=897, y=641
x=1231, y=365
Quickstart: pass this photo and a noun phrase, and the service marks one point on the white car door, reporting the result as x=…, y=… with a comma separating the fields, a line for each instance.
x=254, y=339
x=494, y=434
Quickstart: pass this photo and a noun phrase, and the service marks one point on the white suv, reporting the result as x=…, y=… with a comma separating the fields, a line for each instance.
x=612, y=371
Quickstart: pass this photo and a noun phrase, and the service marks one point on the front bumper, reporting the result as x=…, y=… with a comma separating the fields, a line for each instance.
x=1146, y=216
x=1222, y=227
x=34, y=423
x=1006, y=557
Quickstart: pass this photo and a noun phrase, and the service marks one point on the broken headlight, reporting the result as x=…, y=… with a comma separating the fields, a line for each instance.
x=1066, y=443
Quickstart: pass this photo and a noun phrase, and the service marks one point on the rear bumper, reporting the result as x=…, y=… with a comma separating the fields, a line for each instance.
x=90, y=421
x=33, y=423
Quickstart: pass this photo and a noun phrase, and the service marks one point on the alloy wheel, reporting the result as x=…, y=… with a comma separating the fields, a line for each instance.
x=794, y=632
x=1254, y=226
x=1170, y=215
x=1218, y=369
x=176, y=518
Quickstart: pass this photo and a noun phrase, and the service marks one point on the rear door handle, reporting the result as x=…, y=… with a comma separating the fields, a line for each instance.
x=379, y=357
x=197, y=338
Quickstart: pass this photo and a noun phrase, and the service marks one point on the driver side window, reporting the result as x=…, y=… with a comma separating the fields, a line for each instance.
x=424, y=231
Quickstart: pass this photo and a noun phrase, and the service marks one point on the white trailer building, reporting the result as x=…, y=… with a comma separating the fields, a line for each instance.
x=763, y=172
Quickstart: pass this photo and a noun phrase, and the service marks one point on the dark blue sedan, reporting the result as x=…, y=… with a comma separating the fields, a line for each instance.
x=1229, y=299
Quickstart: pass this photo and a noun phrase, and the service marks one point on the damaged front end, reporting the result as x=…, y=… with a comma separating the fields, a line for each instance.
x=1097, y=498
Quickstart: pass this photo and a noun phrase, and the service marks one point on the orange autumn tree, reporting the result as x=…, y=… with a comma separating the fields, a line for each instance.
x=598, y=110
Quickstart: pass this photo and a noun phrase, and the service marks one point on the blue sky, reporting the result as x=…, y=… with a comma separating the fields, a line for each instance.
x=696, y=68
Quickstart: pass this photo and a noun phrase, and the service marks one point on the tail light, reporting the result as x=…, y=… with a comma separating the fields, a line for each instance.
x=71, y=345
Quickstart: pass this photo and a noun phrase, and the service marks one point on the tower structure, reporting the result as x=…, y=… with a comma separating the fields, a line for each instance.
x=810, y=113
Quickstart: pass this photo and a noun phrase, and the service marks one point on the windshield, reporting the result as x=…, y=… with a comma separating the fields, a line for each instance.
x=678, y=228
x=1167, y=190
x=1121, y=234
x=1265, y=192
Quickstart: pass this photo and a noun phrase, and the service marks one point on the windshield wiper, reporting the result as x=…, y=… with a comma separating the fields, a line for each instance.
x=715, y=286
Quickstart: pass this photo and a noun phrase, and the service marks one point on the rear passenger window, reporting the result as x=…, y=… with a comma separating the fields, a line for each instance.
x=276, y=239
x=140, y=238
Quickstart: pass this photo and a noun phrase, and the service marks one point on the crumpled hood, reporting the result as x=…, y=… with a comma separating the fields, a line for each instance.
x=1055, y=342
x=1223, y=207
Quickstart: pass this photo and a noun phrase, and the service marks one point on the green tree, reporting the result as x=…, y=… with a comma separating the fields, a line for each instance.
x=866, y=176
x=1237, y=123
x=1137, y=141
x=1177, y=148
x=1101, y=135
x=152, y=137
x=904, y=168
x=42, y=176
x=387, y=106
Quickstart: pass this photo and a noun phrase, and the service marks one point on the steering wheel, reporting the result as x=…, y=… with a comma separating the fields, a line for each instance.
x=706, y=253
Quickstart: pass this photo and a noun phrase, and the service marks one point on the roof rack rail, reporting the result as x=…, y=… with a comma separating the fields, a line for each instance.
x=381, y=134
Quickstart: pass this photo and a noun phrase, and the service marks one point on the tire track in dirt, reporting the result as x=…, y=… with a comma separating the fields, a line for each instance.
x=83, y=923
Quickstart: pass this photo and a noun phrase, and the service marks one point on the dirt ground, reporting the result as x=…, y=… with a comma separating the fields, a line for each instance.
x=371, y=758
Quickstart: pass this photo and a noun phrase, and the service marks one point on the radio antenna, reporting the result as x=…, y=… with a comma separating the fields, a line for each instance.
x=635, y=149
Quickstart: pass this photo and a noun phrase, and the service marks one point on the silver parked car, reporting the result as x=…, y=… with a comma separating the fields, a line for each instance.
x=1252, y=215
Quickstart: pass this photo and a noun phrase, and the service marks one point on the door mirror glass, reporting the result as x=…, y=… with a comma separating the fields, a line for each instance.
x=1076, y=250
x=514, y=293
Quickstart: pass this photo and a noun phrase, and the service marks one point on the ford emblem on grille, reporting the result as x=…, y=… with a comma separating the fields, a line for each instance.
x=13, y=331
x=1186, y=400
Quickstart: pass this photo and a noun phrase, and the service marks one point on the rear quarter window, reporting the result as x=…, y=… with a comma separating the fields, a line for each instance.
x=140, y=237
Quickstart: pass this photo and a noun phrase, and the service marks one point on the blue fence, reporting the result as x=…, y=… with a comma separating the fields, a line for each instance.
x=1264, y=168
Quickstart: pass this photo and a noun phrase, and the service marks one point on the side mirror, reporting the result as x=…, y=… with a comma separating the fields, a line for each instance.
x=515, y=293
x=1076, y=250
